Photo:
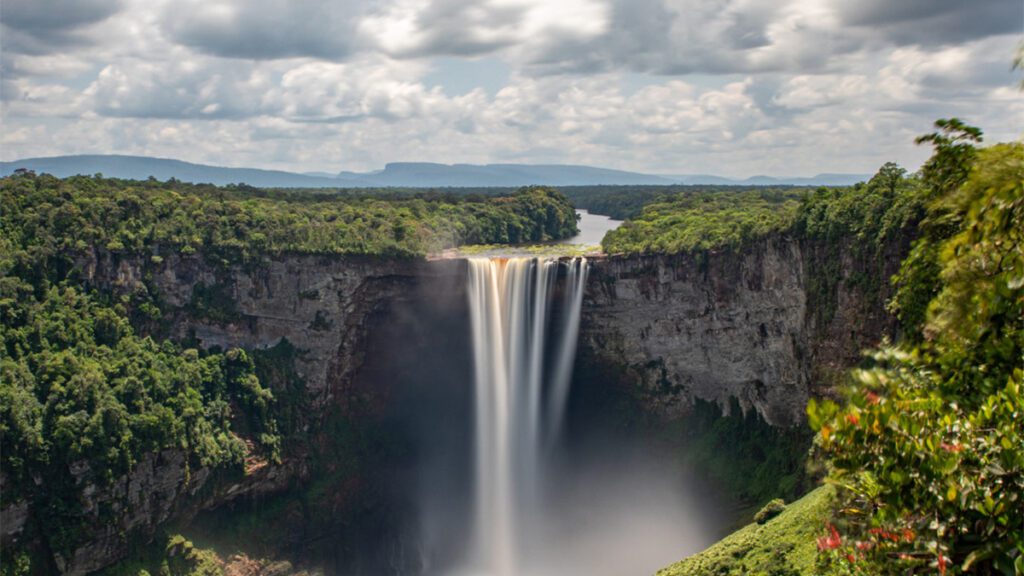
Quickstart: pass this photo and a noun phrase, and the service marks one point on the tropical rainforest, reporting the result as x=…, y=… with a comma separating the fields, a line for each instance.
x=80, y=212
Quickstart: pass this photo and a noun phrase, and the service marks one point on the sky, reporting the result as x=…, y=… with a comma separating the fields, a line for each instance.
x=727, y=87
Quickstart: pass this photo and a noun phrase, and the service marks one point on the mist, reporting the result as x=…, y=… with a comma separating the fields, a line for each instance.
x=614, y=498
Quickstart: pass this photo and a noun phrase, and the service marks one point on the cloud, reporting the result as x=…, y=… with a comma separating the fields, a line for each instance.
x=195, y=87
x=374, y=88
x=417, y=28
x=735, y=87
x=40, y=17
x=177, y=88
x=45, y=26
x=679, y=37
x=934, y=22
x=265, y=29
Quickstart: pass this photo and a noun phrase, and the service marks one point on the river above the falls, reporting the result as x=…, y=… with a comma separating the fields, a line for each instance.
x=592, y=227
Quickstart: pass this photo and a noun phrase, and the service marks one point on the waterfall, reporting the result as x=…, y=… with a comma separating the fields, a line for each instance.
x=518, y=403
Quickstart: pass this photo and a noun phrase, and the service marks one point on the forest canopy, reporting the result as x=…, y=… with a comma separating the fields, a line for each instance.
x=82, y=212
x=704, y=220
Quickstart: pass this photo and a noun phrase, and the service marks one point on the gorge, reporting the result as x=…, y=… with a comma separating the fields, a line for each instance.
x=421, y=384
x=664, y=332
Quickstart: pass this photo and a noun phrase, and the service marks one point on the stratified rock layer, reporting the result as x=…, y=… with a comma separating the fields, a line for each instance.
x=741, y=324
x=728, y=326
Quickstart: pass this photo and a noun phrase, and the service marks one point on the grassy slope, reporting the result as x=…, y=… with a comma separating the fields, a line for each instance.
x=784, y=546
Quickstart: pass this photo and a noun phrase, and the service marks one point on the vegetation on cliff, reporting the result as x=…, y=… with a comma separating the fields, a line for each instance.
x=176, y=555
x=863, y=216
x=80, y=385
x=868, y=227
x=627, y=202
x=783, y=545
x=743, y=456
x=81, y=390
x=928, y=448
x=704, y=220
x=77, y=213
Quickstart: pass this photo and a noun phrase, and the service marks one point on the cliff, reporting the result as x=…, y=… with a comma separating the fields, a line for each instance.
x=320, y=304
x=769, y=324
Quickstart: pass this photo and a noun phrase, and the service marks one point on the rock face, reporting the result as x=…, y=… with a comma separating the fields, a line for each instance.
x=319, y=303
x=160, y=487
x=14, y=514
x=749, y=324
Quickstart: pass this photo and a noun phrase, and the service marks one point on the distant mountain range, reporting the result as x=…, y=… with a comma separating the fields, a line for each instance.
x=396, y=174
x=825, y=179
x=142, y=167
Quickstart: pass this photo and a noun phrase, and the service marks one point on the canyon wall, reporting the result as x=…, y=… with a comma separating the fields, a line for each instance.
x=320, y=304
x=769, y=324
x=717, y=327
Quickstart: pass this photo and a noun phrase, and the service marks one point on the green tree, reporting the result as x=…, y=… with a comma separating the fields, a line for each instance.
x=889, y=177
x=946, y=170
x=949, y=165
x=929, y=447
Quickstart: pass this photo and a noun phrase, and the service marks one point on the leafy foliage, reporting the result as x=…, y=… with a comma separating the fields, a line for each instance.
x=675, y=219
x=770, y=510
x=170, y=555
x=864, y=215
x=705, y=220
x=621, y=202
x=929, y=447
x=122, y=215
x=949, y=166
x=79, y=385
x=626, y=202
x=743, y=455
x=857, y=223
x=81, y=392
x=781, y=546
x=945, y=172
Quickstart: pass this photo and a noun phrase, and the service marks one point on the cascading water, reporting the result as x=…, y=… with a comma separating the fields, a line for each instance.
x=520, y=394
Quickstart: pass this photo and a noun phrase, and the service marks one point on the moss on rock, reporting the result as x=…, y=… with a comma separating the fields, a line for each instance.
x=783, y=546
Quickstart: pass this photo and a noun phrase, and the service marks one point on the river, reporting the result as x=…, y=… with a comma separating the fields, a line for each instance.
x=592, y=227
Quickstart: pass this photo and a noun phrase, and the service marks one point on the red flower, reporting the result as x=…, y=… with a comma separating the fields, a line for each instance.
x=884, y=534
x=942, y=564
x=832, y=541
x=954, y=447
x=852, y=419
x=850, y=558
x=872, y=398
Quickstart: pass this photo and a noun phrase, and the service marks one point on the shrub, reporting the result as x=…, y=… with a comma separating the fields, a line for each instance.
x=770, y=510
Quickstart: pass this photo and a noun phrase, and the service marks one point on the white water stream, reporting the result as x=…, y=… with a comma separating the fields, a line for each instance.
x=520, y=395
